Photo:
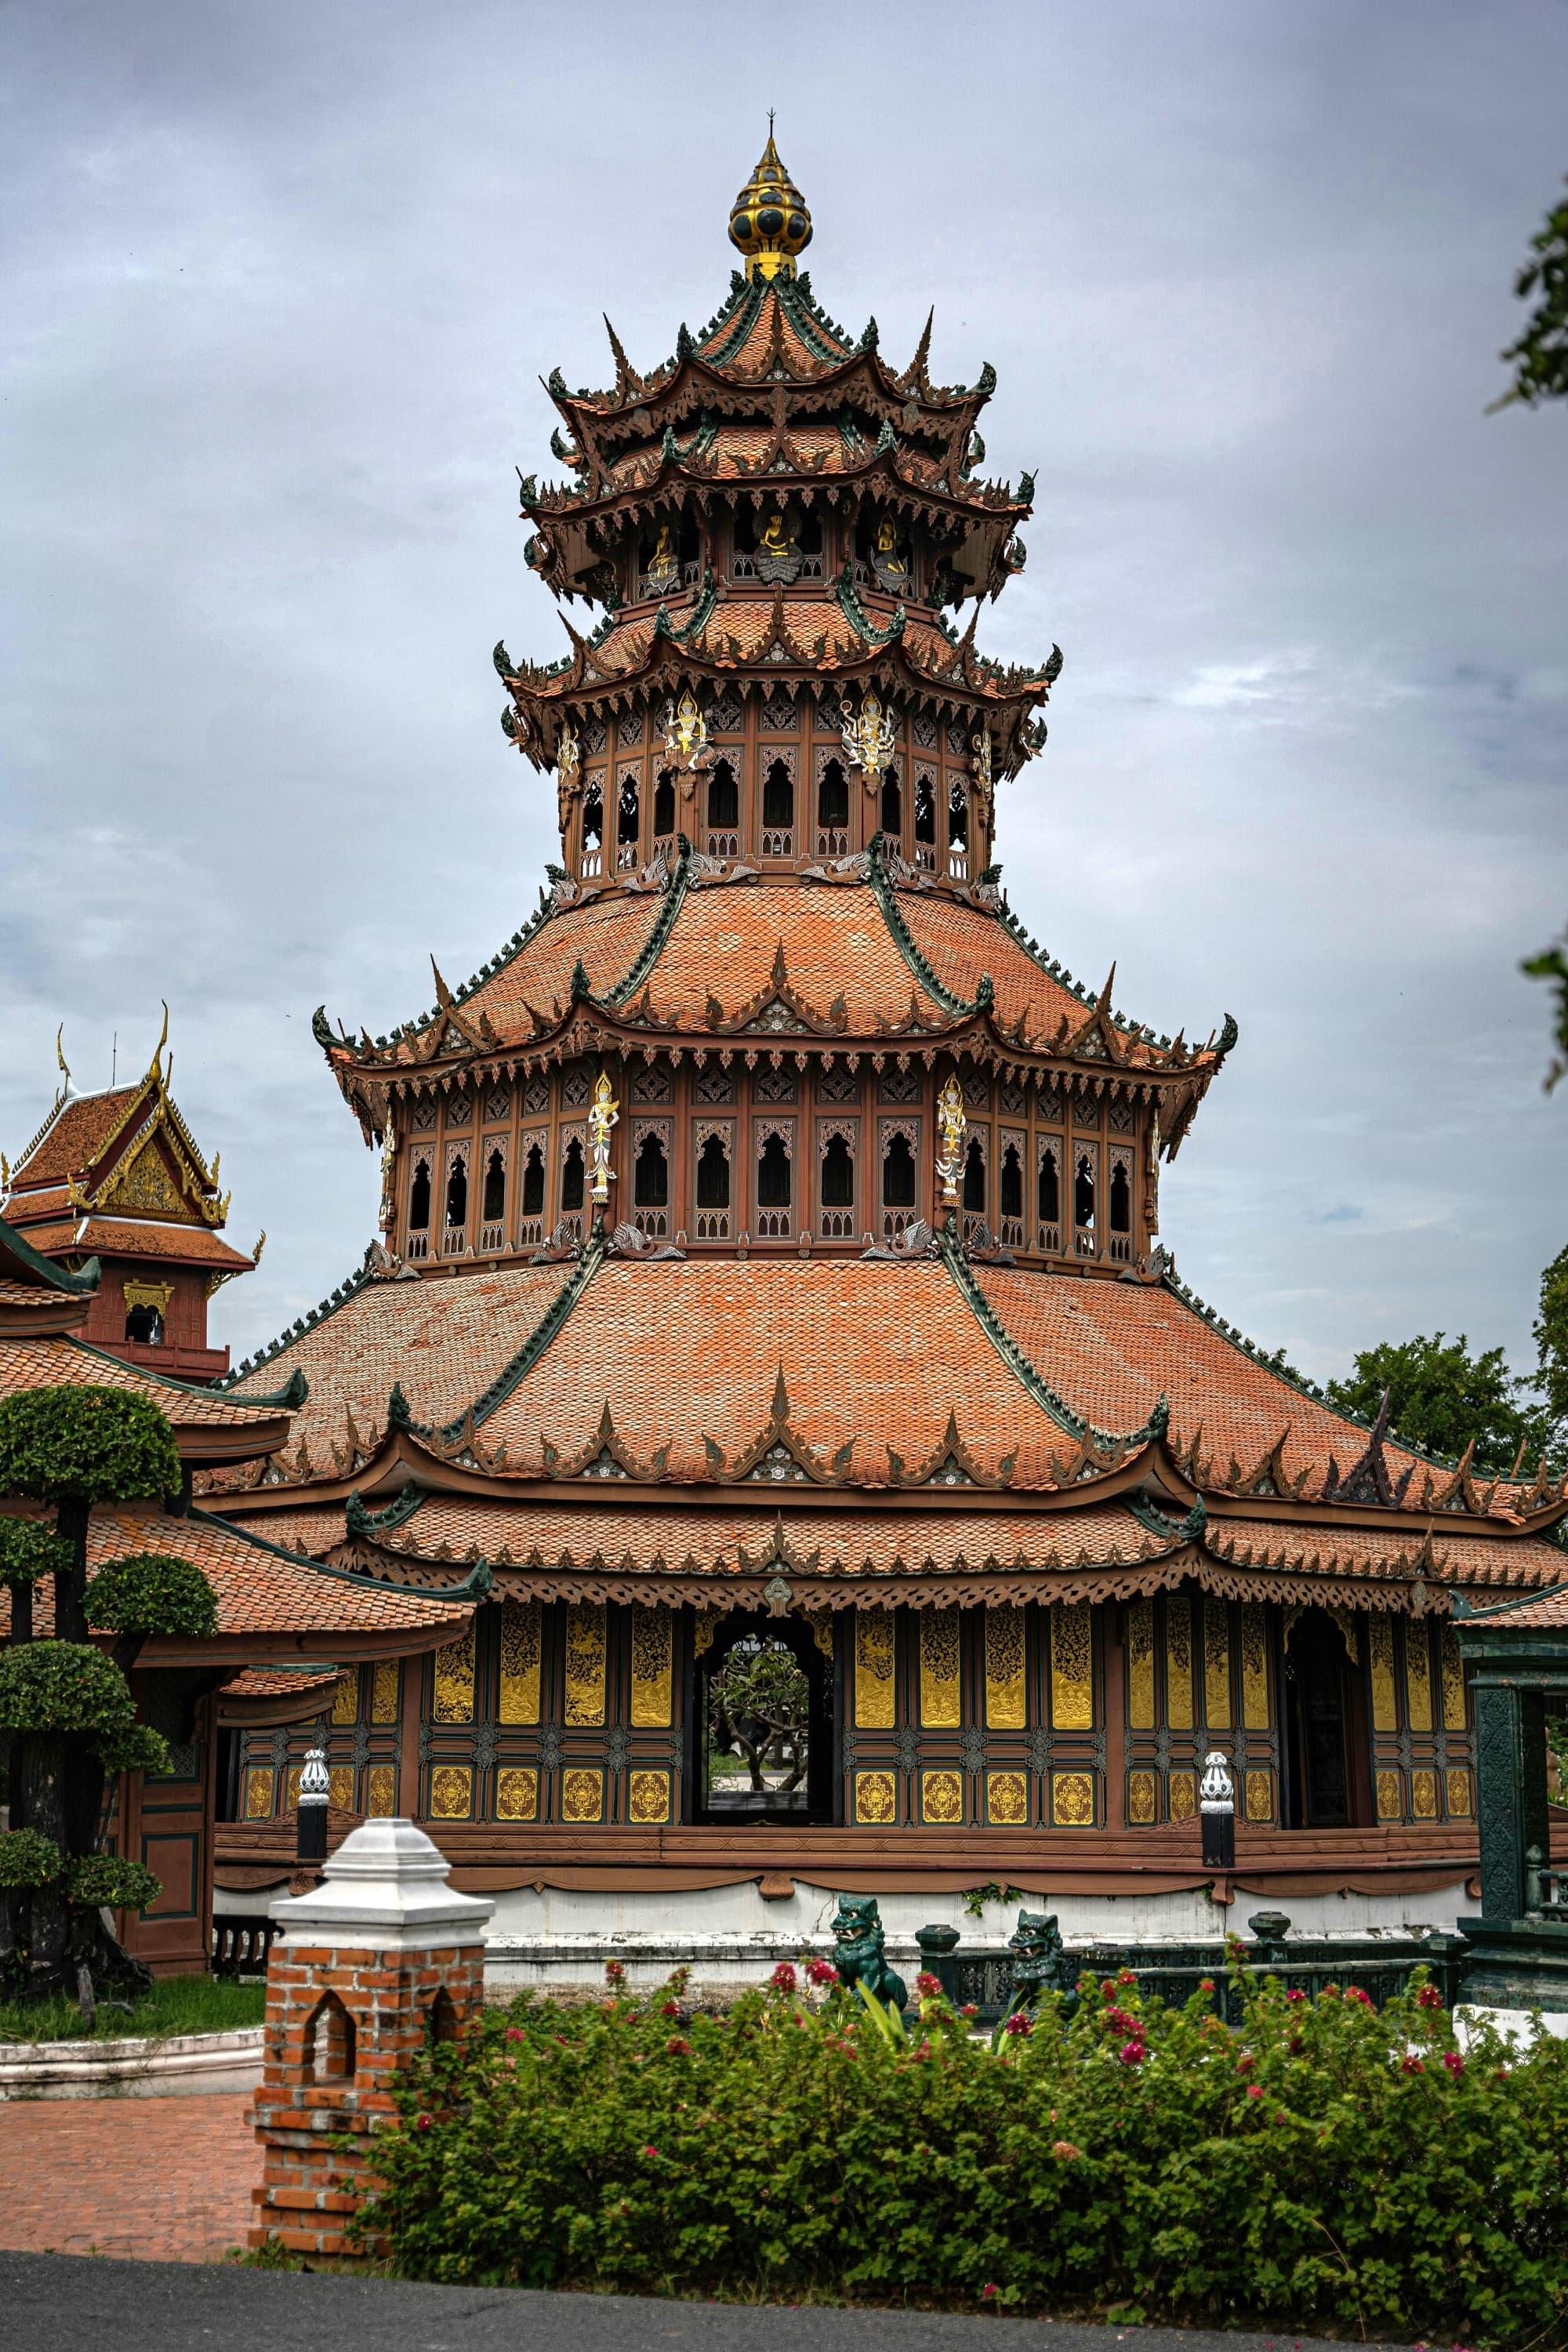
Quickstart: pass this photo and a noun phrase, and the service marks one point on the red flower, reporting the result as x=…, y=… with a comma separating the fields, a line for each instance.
x=1330, y=1992
x=1125, y=1975
x=423, y=2123
x=1206, y=1984
x=1131, y=2054
x=615, y=1972
x=676, y=2048
x=1411, y=2065
x=927, y=1985
x=1354, y=1993
x=650, y=2150
x=1255, y=2090
x=988, y=2290
x=1016, y=2024
x=1453, y=2062
x=1064, y=2150
x=1119, y=2023
x=970, y=2009
x=515, y=2033
x=1108, y=1986
x=1429, y=1998
x=783, y=1978
x=670, y=2009
x=1245, y=2062
x=1295, y=2045
x=821, y=1972
x=1296, y=1999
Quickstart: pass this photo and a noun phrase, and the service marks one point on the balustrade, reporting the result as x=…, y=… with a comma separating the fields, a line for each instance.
x=1083, y=1241
x=455, y=1241
x=1049, y=1238
x=773, y=1224
x=492, y=1237
x=712, y=1224
x=530, y=1233
x=724, y=845
x=778, y=844
x=831, y=842
x=417, y=1245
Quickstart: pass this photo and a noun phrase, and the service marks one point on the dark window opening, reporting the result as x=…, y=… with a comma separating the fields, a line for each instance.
x=974, y=1175
x=330, y=2042
x=765, y=1707
x=419, y=1199
x=1317, y=1795
x=892, y=805
x=1012, y=1183
x=773, y=1175
x=495, y=1188
x=1121, y=1201
x=650, y=1183
x=533, y=1183
x=457, y=1192
x=723, y=796
x=1050, y=1190
x=593, y=817
x=837, y=1175
x=628, y=814
x=145, y=1325
x=833, y=798
x=572, y=1176
x=778, y=797
x=897, y=1174
x=958, y=818
x=664, y=805
x=1083, y=1192
x=925, y=812
x=714, y=1175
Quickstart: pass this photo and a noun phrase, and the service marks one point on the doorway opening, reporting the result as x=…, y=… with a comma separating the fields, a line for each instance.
x=765, y=1705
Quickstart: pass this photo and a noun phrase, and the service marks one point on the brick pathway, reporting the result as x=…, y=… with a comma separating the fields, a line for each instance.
x=166, y=2179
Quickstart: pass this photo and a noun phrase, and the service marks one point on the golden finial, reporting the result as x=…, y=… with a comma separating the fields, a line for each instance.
x=155, y=1068
x=768, y=220
x=65, y=1089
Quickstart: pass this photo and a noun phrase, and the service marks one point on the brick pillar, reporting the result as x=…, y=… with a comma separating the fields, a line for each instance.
x=366, y=1961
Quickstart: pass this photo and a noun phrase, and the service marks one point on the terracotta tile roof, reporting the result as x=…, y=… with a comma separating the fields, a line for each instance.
x=1378, y=1554
x=605, y=933
x=1547, y=1614
x=261, y=1682
x=46, y=1200
x=127, y=1237
x=738, y=448
x=75, y=1137
x=963, y=943
x=835, y=942
x=62, y=1361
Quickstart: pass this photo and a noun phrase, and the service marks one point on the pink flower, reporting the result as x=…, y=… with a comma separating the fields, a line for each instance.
x=989, y=2290
x=821, y=1972
x=670, y=2009
x=783, y=1978
x=1429, y=1998
x=1296, y=1999
x=615, y=1972
x=1125, y=1975
x=1119, y=2023
x=1453, y=2062
x=927, y=1985
x=1330, y=1992
x=970, y=2009
x=1131, y=2054
x=1064, y=2150
x=676, y=2047
x=1016, y=2024
x=423, y=2123
x=1245, y=2062
x=650, y=2150
x=1411, y=2065
x=515, y=2033
x=1354, y=1993
x=1255, y=2090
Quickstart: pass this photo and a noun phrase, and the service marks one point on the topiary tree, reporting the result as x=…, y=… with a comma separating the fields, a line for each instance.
x=66, y=1707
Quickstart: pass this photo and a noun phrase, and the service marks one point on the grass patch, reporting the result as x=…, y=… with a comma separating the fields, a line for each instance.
x=194, y=2004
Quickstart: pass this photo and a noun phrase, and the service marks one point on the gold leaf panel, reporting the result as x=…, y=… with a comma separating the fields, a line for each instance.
x=1384, y=1706
x=1179, y=1662
x=340, y=1788
x=584, y=1668
x=1072, y=1800
x=647, y=1797
x=1418, y=1676
x=258, y=1793
x=821, y=1622
x=1458, y=1793
x=521, y=1649
x=1072, y=1668
x=455, y=1680
x=1454, y=1717
x=875, y=1800
x=581, y=1795
x=381, y=1791
x=1141, y=1799
x=451, y=1792
x=517, y=1793
x=939, y=1707
x=1260, y=1796
x=1141, y=1667
x=652, y=1651
x=1182, y=1795
x=345, y=1698
x=1005, y=1702
x=291, y=1790
x=1388, y=1805
x=1424, y=1795
x=874, y=1692
x=1217, y=1664
x=941, y=1797
x=1007, y=1799
x=384, y=1687
x=1254, y=1667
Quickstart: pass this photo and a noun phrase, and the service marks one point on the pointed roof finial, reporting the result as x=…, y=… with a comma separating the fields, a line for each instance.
x=768, y=220
x=155, y=1066
x=67, y=1090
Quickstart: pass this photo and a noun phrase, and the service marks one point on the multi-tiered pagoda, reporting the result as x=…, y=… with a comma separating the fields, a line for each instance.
x=769, y=1252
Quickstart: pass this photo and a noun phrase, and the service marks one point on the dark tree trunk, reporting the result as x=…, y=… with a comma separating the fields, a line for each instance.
x=42, y=1794
x=70, y=1583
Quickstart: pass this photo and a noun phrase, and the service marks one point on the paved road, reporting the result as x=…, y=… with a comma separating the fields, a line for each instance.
x=70, y=2302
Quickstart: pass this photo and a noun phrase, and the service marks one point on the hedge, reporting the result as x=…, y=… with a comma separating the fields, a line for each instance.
x=1323, y=2166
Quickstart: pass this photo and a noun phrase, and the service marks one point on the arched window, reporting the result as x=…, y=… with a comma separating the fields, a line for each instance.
x=833, y=798
x=664, y=805
x=533, y=1183
x=897, y=1174
x=975, y=1177
x=774, y=1174
x=778, y=810
x=144, y=1327
x=419, y=1198
x=1049, y=1187
x=495, y=1188
x=713, y=1174
x=571, y=1178
x=629, y=819
x=1083, y=1192
x=957, y=817
x=892, y=807
x=925, y=824
x=1012, y=1187
x=458, y=1190
x=723, y=796
x=837, y=1175
x=1120, y=1199
x=592, y=829
x=330, y=2042
x=651, y=1180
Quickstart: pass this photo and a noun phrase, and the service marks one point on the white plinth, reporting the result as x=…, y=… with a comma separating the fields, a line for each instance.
x=387, y=1891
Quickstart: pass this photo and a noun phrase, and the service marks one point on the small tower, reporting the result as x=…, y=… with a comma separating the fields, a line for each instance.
x=117, y=1176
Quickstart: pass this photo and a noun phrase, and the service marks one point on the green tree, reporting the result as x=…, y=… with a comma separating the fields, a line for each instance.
x=1540, y=357
x=1440, y=1397
x=66, y=1707
x=761, y=1700
x=1551, y=964
x=1550, y=1333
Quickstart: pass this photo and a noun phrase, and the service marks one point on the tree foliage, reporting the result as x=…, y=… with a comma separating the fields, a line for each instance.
x=1540, y=357
x=29, y=1549
x=84, y=1445
x=1440, y=1396
x=151, y=1593
x=1551, y=964
x=760, y=1700
x=27, y=1859
x=62, y=1687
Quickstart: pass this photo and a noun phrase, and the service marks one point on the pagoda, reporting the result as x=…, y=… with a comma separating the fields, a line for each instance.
x=769, y=1257
x=117, y=1177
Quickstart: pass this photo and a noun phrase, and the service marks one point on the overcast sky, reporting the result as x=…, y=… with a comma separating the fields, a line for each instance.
x=279, y=284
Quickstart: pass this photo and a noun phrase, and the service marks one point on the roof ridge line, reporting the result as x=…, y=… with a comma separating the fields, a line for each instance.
x=652, y=948
x=349, y=1288
x=527, y=1356
x=1024, y=1371
x=287, y=1399
x=903, y=939
x=470, y=1587
x=1054, y=969
x=1475, y=1616
x=506, y=955
x=55, y=1277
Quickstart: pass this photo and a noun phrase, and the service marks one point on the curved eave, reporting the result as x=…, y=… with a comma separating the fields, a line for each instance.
x=698, y=381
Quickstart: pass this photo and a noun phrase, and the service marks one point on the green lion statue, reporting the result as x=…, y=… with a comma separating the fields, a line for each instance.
x=858, y=1937
x=1041, y=1965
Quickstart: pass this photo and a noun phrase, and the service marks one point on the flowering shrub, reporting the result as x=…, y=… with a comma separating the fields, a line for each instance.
x=1351, y=2175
